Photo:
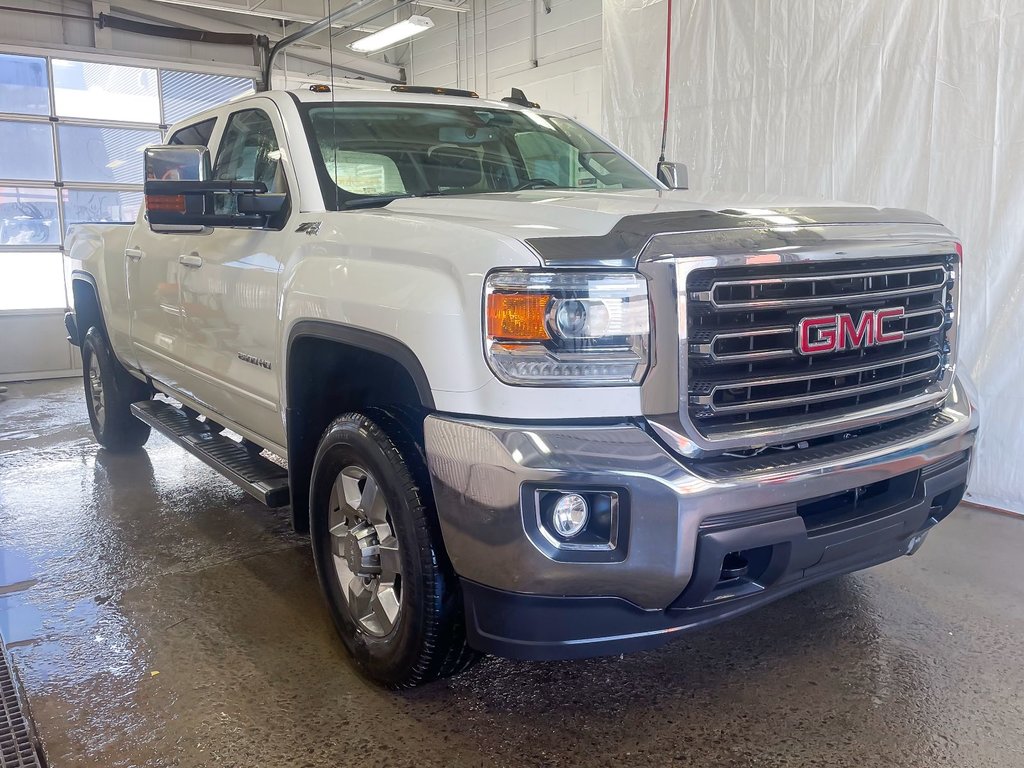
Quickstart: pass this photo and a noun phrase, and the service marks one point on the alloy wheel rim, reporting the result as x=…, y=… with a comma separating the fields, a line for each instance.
x=99, y=405
x=364, y=550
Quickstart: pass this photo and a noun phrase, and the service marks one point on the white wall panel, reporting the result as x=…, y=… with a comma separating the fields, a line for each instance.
x=911, y=104
x=33, y=345
x=500, y=44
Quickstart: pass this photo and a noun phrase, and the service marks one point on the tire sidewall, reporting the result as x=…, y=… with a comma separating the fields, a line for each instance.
x=391, y=658
x=121, y=431
x=94, y=346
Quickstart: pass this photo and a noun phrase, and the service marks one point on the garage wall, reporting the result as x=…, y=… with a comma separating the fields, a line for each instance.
x=69, y=32
x=32, y=334
x=500, y=44
x=913, y=104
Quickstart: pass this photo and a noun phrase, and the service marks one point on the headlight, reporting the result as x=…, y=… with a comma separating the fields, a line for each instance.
x=570, y=329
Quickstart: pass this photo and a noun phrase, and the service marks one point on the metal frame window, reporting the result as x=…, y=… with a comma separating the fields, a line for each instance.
x=99, y=187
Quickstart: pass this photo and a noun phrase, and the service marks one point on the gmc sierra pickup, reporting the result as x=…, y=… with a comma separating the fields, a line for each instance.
x=531, y=401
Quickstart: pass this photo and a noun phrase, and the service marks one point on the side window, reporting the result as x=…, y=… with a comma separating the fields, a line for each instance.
x=199, y=133
x=249, y=151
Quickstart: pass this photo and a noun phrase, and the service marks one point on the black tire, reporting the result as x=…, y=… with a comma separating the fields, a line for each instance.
x=110, y=412
x=428, y=639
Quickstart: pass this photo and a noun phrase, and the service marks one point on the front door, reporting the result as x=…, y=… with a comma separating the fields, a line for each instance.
x=229, y=285
x=153, y=270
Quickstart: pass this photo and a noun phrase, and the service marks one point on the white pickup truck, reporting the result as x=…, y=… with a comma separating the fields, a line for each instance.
x=532, y=401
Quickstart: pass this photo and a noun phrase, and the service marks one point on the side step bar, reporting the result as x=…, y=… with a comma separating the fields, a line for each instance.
x=261, y=478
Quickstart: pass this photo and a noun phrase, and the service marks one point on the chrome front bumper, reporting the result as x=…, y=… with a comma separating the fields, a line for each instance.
x=479, y=471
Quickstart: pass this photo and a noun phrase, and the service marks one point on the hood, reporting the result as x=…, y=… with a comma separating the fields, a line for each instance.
x=570, y=227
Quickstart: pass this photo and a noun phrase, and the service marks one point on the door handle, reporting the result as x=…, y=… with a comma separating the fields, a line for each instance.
x=134, y=253
x=193, y=260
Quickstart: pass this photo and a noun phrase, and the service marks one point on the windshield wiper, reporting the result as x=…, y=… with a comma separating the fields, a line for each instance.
x=382, y=200
x=370, y=202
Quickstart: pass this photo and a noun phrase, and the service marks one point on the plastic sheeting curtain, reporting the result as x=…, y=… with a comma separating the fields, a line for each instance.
x=914, y=104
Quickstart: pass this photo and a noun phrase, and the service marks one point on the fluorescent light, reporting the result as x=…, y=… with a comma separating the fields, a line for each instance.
x=389, y=36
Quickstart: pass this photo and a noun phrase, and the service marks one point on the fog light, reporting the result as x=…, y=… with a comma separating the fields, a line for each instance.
x=570, y=515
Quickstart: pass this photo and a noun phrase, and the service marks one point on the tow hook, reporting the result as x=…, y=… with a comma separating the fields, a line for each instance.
x=915, y=542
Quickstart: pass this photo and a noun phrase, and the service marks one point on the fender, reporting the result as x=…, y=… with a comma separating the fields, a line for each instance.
x=303, y=427
x=81, y=276
x=368, y=340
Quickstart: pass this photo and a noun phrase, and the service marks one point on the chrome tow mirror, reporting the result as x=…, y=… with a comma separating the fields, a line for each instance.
x=673, y=175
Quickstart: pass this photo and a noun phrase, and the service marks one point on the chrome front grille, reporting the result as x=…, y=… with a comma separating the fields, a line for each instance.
x=744, y=370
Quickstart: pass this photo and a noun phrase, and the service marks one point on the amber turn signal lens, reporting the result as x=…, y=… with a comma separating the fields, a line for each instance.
x=517, y=316
x=167, y=203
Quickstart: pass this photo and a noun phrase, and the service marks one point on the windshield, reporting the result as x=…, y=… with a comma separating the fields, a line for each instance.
x=370, y=154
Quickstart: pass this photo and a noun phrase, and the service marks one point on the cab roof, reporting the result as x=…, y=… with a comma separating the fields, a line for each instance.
x=347, y=94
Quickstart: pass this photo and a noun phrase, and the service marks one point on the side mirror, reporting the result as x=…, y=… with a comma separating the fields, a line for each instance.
x=181, y=196
x=177, y=162
x=673, y=175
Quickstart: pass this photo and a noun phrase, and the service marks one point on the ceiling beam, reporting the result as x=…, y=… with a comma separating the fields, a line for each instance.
x=354, y=9
x=263, y=10
x=309, y=51
x=302, y=11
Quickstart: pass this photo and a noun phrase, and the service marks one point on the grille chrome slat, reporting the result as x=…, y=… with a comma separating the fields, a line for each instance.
x=709, y=348
x=837, y=394
x=834, y=372
x=743, y=365
x=819, y=300
x=868, y=293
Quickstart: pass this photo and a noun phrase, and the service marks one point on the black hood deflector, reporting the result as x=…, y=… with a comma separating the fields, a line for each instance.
x=621, y=247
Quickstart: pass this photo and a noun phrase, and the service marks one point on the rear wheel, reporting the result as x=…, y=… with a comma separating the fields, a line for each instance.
x=391, y=592
x=109, y=392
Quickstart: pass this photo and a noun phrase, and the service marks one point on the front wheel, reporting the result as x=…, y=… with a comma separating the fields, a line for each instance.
x=109, y=393
x=391, y=593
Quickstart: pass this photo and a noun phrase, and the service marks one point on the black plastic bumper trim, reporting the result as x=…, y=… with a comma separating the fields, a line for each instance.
x=542, y=627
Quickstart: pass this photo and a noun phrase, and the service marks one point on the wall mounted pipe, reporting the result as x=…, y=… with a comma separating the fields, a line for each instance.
x=318, y=26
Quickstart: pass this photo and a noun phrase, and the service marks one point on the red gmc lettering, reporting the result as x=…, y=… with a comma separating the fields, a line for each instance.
x=832, y=333
x=856, y=336
x=881, y=337
x=826, y=341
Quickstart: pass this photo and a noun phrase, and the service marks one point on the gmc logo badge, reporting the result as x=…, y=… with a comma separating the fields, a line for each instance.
x=837, y=333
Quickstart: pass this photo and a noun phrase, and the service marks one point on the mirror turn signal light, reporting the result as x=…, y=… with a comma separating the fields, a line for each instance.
x=168, y=203
x=518, y=316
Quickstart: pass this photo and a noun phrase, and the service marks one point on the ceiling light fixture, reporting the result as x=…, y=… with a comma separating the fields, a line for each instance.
x=392, y=35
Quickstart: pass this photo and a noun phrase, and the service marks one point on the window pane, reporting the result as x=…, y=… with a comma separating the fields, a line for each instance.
x=33, y=158
x=198, y=134
x=105, y=91
x=24, y=86
x=28, y=216
x=248, y=152
x=91, y=205
x=31, y=281
x=366, y=173
x=186, y=93
x=111, y=155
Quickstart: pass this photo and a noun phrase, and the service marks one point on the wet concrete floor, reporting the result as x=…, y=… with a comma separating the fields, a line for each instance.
x=158, y=617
